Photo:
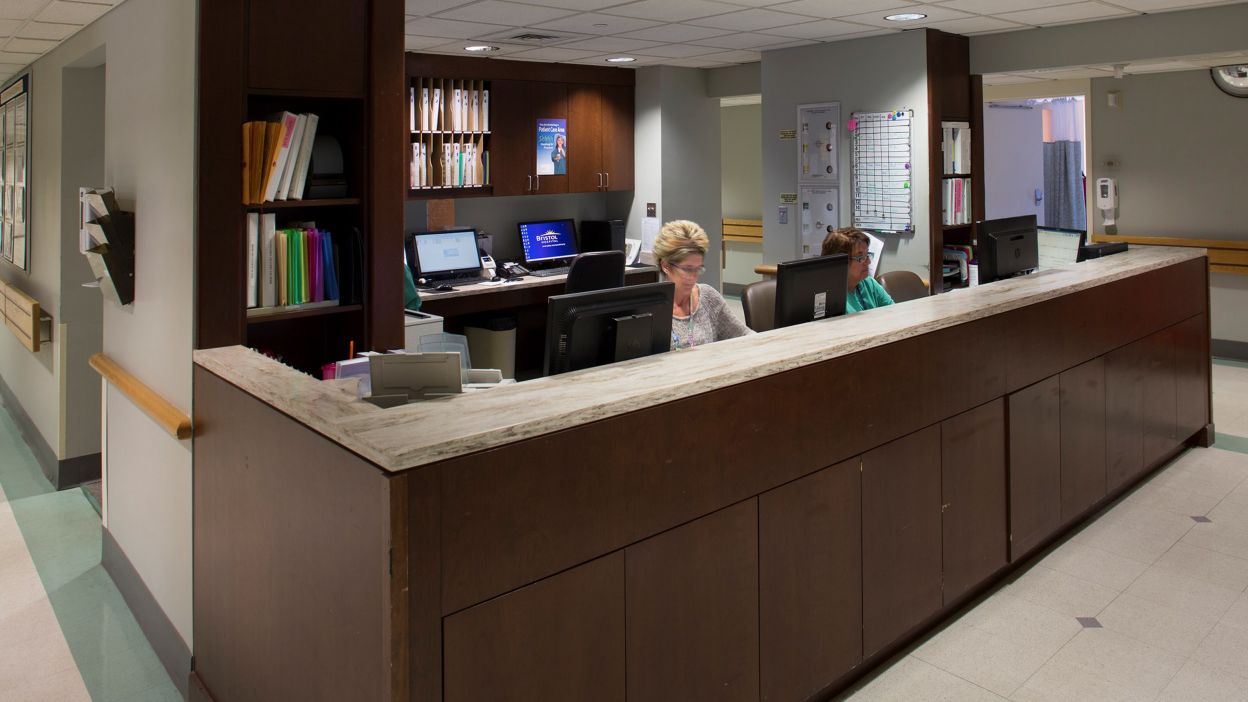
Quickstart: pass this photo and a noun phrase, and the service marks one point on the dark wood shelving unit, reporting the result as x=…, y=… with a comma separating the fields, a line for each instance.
x=357, y=90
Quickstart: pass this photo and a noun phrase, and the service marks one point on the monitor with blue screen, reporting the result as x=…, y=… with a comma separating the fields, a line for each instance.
x=548, y=241
x=446, y=254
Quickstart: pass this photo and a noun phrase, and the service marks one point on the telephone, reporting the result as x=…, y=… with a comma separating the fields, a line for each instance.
x=515, y=270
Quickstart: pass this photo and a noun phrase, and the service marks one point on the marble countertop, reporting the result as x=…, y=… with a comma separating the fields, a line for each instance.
x=420, y=433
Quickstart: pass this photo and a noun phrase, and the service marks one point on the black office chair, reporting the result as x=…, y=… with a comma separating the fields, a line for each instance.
x=596, y=270
x=758, y=302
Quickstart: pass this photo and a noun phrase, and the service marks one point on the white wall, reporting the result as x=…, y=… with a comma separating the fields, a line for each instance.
x=149, y=159
x=875, y=74
x=1013, y=161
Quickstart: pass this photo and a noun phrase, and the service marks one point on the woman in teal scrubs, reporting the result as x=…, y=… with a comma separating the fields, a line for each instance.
x=864, y=291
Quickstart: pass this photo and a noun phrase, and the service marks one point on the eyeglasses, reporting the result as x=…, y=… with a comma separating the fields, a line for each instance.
x=690, y=270
x=863, y=258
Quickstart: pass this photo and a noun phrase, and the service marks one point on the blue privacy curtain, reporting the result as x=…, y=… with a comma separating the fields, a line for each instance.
x=1063, y=185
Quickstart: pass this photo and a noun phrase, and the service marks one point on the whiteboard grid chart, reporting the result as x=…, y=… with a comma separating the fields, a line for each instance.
x=882, y=191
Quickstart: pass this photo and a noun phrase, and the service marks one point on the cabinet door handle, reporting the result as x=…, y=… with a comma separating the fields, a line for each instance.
x=608, y=185
x=537, y=182
x=599, y=181
x=529, y=187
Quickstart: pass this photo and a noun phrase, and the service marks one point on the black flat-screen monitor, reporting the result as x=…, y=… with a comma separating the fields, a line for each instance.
x=811, y=288
x=594, y=328
x=1006, y=247
x=548, y=241
x=443, y=255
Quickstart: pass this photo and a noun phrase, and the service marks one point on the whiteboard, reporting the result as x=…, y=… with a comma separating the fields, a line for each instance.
x=882, y=193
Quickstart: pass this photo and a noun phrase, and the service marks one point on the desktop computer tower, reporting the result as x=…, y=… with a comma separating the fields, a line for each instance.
x=602, y=235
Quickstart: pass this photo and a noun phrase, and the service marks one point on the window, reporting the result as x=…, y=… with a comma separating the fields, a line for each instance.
x=14, y=165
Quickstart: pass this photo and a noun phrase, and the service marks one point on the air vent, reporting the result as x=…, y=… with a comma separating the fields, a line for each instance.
x=535, y=38
x=529, y=37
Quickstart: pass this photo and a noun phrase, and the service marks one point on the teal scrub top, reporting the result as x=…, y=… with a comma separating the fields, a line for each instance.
x=867, y=295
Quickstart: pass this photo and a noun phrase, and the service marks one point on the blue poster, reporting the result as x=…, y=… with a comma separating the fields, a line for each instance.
x=552, y=147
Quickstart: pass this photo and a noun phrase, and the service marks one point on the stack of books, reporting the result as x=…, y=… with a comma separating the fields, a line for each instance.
x=276, y=156
x=294, y=266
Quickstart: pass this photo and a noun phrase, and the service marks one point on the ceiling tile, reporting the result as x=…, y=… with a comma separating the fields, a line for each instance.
x=1164, y=5
x=578, y=5
x=745, y=40
x=17, y=57
x=9, y=26
x=819, y=29
x=424, y=8
x=678, y=50
x=732, y=57
x=20, y=9
x=554, y=53
x=996, y=7
x=695, y=63
x=976, y=25
x=755, y=3
x=416, y=43
x=1064, y=14
x=499, y=12
x=611, y=44
x=71, y=12
x=832, y=9
x=48, y=30
x=430, y=27
x=671, y=10
x=30, y=46
x=676, y=33
x=750, y=20
x=457, y=48
x=788, y=45
x=602, y=61
x=596, y=23
x=935, y=13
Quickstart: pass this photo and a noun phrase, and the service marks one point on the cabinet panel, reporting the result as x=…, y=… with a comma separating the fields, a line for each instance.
x=810, y=589
x=1035, y=465
x=617, y=136
x=1124, y=414
x=515, y=107
x=1082, y=412
x=1159, y=397
x=584, y=139
x=1191, y=374
x=972, y=474
x=546, y=101
x=901, y=559
x=334, y=67
x=561, y=638
x=692, y=614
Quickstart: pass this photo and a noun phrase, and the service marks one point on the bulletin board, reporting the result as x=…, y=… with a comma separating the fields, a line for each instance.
x=882, y=194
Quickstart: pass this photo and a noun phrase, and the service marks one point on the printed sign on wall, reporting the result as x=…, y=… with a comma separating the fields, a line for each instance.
x=552, y=147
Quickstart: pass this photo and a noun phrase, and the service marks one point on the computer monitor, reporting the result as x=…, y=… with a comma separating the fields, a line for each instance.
x=1058, y=247
x=548, y=241
x=590, y=329
x=1006, y=247
x=443, y=255
x=811, y=288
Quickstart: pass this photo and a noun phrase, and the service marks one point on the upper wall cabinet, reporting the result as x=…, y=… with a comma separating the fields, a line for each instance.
x=326, y=66
x=553, y=128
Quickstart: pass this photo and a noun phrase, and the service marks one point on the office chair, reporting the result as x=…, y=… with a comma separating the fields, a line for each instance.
x=596, y=270
x=903, y=285
x=758, y=302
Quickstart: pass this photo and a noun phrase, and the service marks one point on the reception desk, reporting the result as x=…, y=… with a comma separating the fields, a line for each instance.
x=764, y=518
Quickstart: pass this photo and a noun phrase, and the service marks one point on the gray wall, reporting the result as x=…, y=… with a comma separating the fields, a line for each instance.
x=1013, y=161
x=876, y=74
x=741, y=176
x=729, y=81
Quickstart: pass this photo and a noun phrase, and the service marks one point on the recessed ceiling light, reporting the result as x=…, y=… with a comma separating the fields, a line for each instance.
x=480, y=48
x=621, y=59
x=905, y=17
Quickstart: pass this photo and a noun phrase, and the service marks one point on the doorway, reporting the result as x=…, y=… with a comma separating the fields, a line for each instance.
x=1035, y=160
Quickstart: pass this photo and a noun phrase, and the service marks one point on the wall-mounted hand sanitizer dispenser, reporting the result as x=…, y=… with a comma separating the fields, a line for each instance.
x=1107, y=199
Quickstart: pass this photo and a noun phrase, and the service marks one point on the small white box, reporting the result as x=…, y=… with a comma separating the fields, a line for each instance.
x=418, y=324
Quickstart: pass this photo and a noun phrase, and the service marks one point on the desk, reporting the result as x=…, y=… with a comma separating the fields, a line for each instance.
x=525, y=298
x=449, y=549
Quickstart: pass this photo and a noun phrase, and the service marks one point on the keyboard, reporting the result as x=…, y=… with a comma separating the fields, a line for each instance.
x=473, y=280
x=547, y=272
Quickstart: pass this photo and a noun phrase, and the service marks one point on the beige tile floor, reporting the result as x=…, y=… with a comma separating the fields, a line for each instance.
x=1168, y=595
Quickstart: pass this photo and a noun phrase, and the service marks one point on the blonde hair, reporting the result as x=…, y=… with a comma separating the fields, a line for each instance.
x=678, y=240
x=844, y=240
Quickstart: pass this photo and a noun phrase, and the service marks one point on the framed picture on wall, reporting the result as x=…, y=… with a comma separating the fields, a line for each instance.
x=14, y=171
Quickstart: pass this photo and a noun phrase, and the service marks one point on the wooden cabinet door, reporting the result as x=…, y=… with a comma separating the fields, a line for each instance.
x=692, y=615
x=810, y=582
x=1124, y=414
x=1035, y=465
x=901, y=533
x=617, y=137
x=1191, y=375
x=1159, y=398
x=584, y=139
x=513, y=138
x=548, y=101
x=972, y=474
x=337, y=68
x=1082, y=413
x=561, y=638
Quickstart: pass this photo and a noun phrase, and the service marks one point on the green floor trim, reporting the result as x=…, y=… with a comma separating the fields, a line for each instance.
x=1228, y=442
x=1230, y=362
x=61, y=531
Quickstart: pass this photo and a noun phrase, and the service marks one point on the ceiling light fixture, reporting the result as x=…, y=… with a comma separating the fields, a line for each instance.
x=621, y=59
x=905, y=17
x=480, y=48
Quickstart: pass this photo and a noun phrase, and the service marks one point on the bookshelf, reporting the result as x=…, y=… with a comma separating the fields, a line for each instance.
x=955, y=101
x=356, y=90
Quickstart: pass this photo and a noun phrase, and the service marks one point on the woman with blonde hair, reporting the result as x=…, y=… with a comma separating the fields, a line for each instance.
x=864, y=292
x=699, y=313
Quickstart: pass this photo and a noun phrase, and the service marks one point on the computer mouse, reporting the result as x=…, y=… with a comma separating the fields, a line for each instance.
x=444, y=288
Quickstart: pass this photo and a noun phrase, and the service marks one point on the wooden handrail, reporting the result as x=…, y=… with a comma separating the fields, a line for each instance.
x=1225, y=255
x=170, y=418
